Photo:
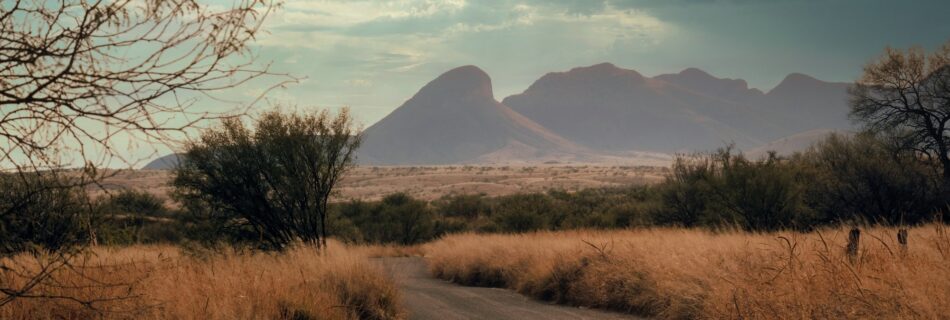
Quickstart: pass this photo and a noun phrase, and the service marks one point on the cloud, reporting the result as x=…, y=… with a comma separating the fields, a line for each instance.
x=376, y=53
x=377, y=37
x=359, y=83
x=415, y=23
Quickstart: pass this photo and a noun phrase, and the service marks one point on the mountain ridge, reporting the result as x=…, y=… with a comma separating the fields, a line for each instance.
x=455, y=118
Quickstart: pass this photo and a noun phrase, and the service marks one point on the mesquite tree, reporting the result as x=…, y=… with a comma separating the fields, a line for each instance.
x=276, y=179
x=906, y=95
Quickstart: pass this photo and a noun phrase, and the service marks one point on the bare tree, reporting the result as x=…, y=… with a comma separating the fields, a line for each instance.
x=906, y=94
x=76, y=77
x=75, y=74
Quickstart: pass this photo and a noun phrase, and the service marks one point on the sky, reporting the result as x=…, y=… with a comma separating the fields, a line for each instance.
x=373, y=55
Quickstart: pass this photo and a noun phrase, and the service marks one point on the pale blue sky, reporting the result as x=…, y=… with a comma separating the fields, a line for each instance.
x=373, y=55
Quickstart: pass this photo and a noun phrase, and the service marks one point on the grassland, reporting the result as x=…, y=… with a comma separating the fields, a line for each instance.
x=160, y=282
x=688, y=274
x=432, y=182
x=667, y=273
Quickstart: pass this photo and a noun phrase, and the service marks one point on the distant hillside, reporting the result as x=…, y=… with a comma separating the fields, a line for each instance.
x=455, y=118
x=799, y=103
x=166, y=162
x=613, y=109
x=802, y=103
x=703, y=83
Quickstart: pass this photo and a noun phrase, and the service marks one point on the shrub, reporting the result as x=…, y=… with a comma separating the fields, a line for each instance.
x=138, y=217
x=468, y=206
x=522, y=212
x=276, y=179
x=398, y=218
x=725, y=189
x=863, y=178
x=42, y=212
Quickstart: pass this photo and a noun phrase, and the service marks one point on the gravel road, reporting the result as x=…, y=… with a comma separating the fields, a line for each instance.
x=428, y=298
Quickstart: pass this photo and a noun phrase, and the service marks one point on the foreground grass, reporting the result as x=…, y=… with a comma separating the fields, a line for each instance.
x=679, y=274
x=157, y=282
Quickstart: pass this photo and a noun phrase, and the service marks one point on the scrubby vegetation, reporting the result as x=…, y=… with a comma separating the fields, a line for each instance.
x=675, y=273
x=847, y=180
x=41, y=212
x=135, y=217
x=842, y=180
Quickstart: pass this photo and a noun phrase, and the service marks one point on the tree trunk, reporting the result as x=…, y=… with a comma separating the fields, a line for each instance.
x=323, y=224
x=945, y=186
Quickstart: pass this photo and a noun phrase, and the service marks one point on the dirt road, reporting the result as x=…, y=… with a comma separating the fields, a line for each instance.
x=428, y=298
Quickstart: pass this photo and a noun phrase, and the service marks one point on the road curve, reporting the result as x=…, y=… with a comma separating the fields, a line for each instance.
x=428, y=298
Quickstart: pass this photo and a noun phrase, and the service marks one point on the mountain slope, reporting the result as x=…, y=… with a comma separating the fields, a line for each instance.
x=455, y=118
x=699, y=81
x=613, y=109
x=799, y=103
x=166, y=162
x=803, y=103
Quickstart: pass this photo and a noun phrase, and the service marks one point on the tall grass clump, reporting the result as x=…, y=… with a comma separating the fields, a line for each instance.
x=692, y=273
x=162, y=282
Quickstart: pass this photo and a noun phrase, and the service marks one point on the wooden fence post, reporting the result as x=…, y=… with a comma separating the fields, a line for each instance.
x=854, y=240
x=902, y=240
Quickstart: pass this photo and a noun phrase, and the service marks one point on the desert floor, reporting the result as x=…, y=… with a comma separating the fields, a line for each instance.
x=432, y=182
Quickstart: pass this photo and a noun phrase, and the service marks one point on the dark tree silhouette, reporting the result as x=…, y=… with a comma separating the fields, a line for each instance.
x=276, y=179
x=906, y=95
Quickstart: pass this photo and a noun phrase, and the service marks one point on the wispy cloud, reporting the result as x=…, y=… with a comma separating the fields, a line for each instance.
x=379, y=52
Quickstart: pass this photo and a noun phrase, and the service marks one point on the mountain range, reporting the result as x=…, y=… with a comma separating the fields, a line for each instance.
x=595, y=113
x=599, y=113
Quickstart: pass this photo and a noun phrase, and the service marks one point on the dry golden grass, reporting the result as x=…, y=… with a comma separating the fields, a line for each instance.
x=301, y=284
x=390, y=250
x=432, y=182
x=676, y=273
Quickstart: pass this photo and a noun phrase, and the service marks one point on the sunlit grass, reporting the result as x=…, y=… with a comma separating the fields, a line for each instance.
x=159, y=282
x=677, y=273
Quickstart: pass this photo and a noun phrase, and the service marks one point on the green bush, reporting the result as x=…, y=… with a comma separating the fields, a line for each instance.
x=864, y=178
x=42, y=212
x=723, y=189
x=469, y=206
x=859, y=179
x=523, y=212
x=138, y=217
x=398, y=218
x=684, y=195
